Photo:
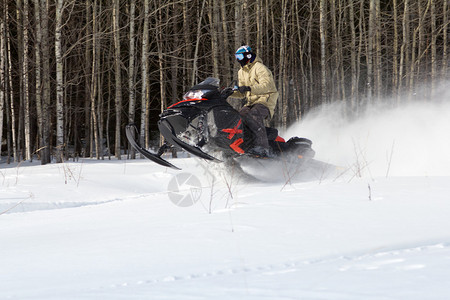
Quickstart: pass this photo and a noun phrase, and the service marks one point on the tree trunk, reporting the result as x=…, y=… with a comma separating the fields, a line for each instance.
x=59, y=84
x=197, y=44
x=245, y=12
x=237, y=30
x=226, y=46
x=404, y=48
x=187, y=63
x=395, y=52
x=416, y=48
x=370, y=52
x=20, y=57
x=259, y=25
x=445, y=58
x=378, y=65
x=131, y=75
x=11, y=95
x=282, y=77
x=95, y=128
x=310, y=52
x=46, y=95
x=434, y=34
x=118, y=78
x=354, y=87
x=2, y=74
x=144, y=74
x=336, y=92
x=323, y=26
x=213, y=22
x=26, y=82
x=162, y=89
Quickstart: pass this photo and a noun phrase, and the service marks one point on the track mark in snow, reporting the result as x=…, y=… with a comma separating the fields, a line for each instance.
x=24, y=206
x=396, y=260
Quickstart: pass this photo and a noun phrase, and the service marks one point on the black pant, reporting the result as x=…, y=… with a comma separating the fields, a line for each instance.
x=254, y=117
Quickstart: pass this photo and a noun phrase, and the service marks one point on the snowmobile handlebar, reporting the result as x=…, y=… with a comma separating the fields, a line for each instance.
x=229, y=90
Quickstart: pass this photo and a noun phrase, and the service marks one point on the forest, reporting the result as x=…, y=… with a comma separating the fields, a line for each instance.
x=74, y=73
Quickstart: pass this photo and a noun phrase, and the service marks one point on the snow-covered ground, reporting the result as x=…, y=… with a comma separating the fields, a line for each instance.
x=377, y=228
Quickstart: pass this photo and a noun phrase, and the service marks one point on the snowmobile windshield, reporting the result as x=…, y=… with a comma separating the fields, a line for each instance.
x=210, y=81
x=195, y=94
x=204, y=90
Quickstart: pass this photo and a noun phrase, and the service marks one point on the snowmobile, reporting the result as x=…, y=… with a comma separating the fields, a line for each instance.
x=204, y=123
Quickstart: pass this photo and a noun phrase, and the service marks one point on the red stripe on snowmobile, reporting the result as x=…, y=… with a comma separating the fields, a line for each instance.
x=280, y=139
x=234, y=130
x=187, y=100
x=235, y=145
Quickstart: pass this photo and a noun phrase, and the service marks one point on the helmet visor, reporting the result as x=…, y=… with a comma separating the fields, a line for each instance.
x=239, y=56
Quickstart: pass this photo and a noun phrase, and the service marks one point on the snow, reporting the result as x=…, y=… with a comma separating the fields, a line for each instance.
x=377, y=228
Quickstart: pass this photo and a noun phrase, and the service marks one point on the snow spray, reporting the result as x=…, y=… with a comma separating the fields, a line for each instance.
x=411, y=139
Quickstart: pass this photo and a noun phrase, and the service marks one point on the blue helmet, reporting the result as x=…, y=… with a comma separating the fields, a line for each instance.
x=244, y=49
x=244, y=54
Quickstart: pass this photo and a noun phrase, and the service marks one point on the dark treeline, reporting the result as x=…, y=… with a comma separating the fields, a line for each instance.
x=73, y=73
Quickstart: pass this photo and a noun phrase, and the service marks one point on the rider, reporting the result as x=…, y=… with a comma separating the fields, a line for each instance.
x=257, y=85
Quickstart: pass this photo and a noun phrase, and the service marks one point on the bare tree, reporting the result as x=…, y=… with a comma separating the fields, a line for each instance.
x=59, y=84
x=12, y=107
x=131, y=71
x=144, y=70
x=93, y=90
x=2, y=74
x=282, y=79
x=445, y=34
x=323, y=54
x=353, y=55
x=46, y=92
x=404, y=53
x=118, y=77
x=225, y=44
x=370, y=50
x=213, y=23
x=434, y=34
x=395, y=74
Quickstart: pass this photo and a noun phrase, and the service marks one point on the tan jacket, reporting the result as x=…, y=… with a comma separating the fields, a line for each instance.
x=260, y=79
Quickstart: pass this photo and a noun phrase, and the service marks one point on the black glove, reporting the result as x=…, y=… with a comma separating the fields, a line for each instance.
x=243, y=89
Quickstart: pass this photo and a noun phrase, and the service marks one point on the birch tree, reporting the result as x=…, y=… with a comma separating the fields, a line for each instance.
x=144, y=71
x=445, y=33
x=2, y=75
x=434, y=34
x=93, y=90
x=370, y=50
x=354, y=87
x=26, y=81
x=118, y=77
x=37, y=68
x=131, y=72
x=323, y=54
x=395, y=51
x=12, y=140
x=59, y=84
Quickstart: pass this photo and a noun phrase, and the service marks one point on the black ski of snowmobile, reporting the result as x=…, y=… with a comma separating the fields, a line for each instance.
x=169, y=133
x=204, y=123
x=130, y=130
